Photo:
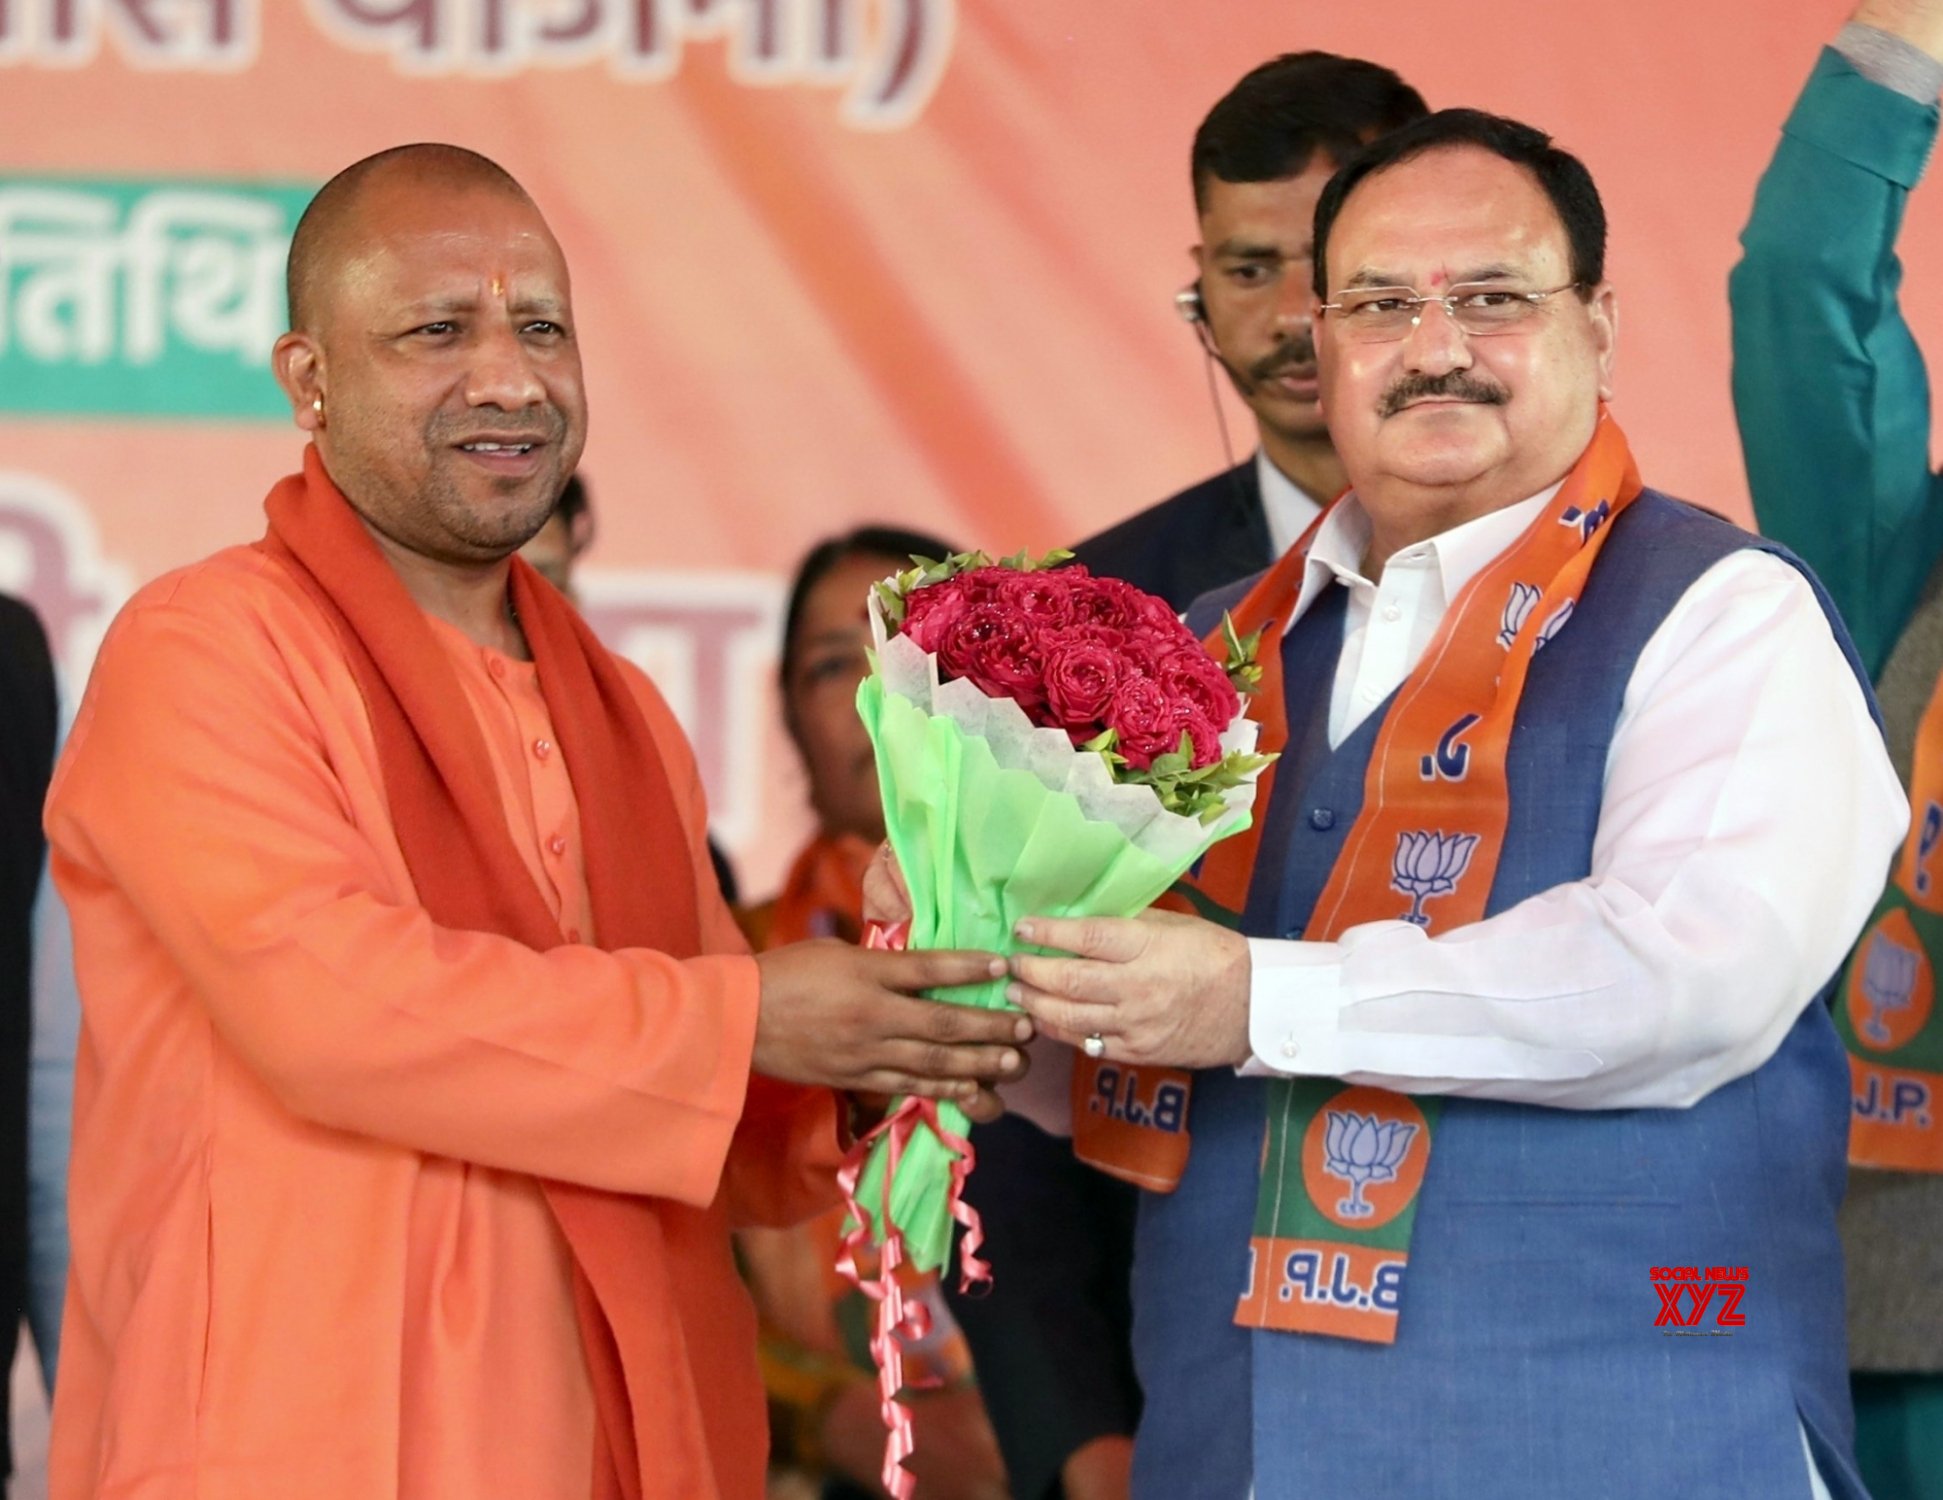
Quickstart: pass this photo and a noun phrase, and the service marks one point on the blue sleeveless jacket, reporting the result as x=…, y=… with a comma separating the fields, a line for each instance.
x=1527, y=1364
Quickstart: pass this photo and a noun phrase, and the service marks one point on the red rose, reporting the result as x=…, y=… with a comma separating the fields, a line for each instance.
x=974, y=622
x=1081, y=676
x=1044, y=600
x=998, y=654
x=934, y=612
x=1191, y=674
x=1108, y=637
x=1139, y=655
x=1106, y=601
x=1207, y=739
x=1146, y=720
x=1160, y=617
x=1136, y=609
x=983, y=585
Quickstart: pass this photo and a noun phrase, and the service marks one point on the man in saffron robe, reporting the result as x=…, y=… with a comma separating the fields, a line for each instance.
x=423, y=1072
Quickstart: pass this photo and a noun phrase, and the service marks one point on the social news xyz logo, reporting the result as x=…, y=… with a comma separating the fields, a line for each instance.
x=1688, y=1292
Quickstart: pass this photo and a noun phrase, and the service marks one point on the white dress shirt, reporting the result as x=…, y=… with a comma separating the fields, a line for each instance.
x=1749, y=816
x=1288, y=507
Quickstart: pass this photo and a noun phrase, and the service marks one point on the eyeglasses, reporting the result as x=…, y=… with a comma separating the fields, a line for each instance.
x=1383, y=314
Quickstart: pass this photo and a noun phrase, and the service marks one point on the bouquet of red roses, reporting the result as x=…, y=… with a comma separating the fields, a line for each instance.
x=1108, y=663
x=1048, y=743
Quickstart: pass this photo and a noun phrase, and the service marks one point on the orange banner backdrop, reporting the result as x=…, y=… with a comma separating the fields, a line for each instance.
x=834, y=260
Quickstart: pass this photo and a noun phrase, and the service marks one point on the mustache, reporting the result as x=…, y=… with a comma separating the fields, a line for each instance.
x=1299, y=350
x=1454, y=385
x=477, y=427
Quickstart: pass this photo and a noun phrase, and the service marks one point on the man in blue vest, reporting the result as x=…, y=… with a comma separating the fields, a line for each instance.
x=1518, y=1129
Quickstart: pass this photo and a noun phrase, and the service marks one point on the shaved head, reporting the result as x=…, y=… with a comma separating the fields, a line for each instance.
x=329, y=231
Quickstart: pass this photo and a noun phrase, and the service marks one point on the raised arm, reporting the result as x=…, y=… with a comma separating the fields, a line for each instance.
x=1829, y=386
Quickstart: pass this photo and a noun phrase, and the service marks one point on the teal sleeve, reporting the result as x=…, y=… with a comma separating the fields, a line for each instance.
x=1829, y=386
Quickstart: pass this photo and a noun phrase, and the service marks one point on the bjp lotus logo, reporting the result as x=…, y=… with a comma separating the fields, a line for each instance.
x=1554, y=625
x=1375, y=1144
x=1361, y=1149
x=1429, y=864
x=1888, y=982
x=1518, y=606
x=1890, y=988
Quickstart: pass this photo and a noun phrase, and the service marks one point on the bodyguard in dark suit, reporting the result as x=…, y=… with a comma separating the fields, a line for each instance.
x=1052, y=1341
x=27, y=729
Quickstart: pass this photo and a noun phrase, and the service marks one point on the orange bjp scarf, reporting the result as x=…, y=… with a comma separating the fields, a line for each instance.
x=469, y=876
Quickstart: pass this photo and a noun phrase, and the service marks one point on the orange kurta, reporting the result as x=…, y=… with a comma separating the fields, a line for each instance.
x=310, y=1257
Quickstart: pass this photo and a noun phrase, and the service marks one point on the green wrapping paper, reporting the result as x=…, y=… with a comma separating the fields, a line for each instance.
x=981, y=846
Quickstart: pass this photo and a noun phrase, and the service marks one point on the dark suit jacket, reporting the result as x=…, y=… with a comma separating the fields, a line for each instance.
x=27, y=729
x=1189, y=544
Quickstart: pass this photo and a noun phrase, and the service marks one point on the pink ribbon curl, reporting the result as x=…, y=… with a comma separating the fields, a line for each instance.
x=897, y=1320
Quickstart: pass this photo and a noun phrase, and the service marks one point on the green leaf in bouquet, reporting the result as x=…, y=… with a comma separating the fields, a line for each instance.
x=930, y=570
x=1240, y=652
x=1196, y=793
x=1024, y=562
x=1102, y=745
x=1175, y=763
x=890, y=598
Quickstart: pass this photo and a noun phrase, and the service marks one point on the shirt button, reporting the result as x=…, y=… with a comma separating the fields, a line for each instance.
x=495, y=666
x=557, y=845
x=1289, y=1049
x=1393, y=612
x=1294, y=934
x=1322, y=818
x=573, y=934
x=542, y=748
